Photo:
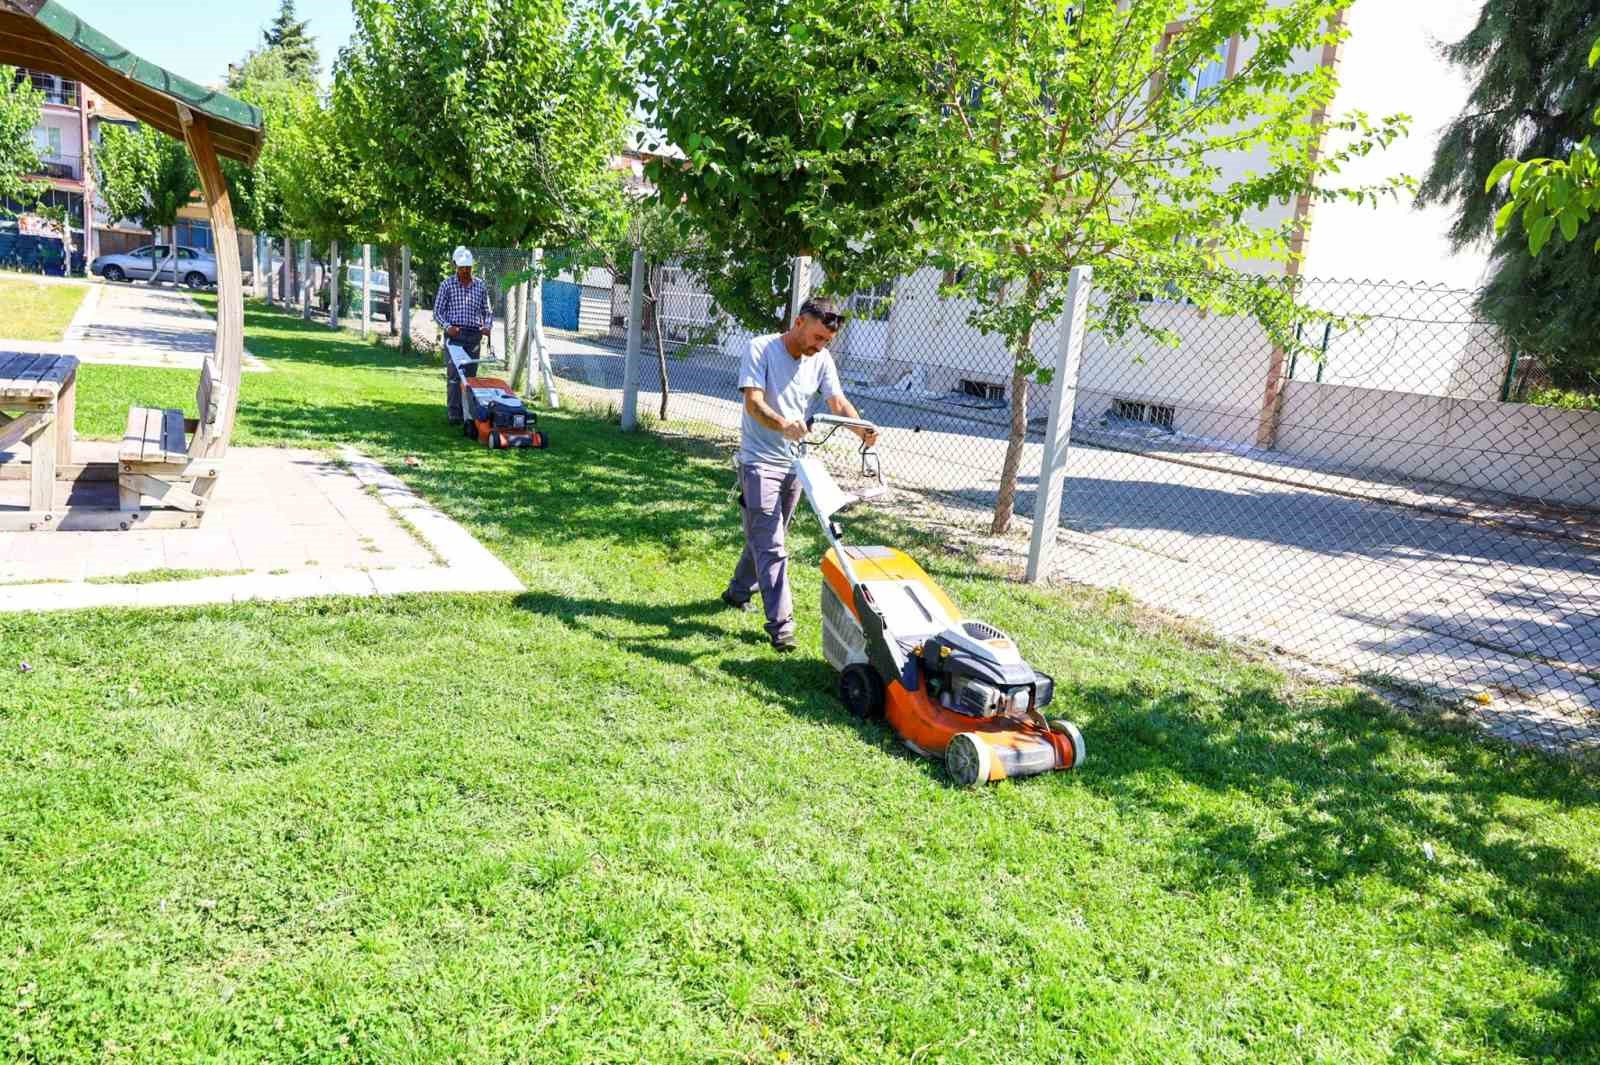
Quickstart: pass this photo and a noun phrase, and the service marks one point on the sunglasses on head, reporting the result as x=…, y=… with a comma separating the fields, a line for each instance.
x=830, y=320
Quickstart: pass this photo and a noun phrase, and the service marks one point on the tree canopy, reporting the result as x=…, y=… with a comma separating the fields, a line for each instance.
x=494, y=120
x=20, y=105
x=1166, y=143
x=1534, y=96
x=289, y=41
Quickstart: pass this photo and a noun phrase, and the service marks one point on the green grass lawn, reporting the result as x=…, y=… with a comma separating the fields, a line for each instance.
x=602, y=821
x=37, y=310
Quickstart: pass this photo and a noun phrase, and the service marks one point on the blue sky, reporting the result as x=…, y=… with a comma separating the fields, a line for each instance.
x=197, y=40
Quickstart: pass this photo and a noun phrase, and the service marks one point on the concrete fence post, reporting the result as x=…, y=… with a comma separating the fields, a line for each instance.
x=1058, y=426
x=536, y=327
x=630, y=361
x=305, y=280
x=799, y=287
x=366, y=290
x=333, y=284
x=404, y=309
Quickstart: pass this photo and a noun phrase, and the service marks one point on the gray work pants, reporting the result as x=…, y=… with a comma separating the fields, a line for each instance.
x=767, y=500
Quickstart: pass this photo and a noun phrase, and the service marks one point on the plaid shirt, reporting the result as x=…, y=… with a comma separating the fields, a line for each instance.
x=465, y=305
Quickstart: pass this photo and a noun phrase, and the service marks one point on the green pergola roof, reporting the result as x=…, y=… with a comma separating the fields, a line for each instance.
x=42, y=34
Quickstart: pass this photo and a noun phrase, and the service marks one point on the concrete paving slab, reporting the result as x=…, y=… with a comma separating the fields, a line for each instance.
x=297, y=524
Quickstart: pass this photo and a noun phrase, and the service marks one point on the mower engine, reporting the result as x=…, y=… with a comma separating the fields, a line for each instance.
x=975, y=669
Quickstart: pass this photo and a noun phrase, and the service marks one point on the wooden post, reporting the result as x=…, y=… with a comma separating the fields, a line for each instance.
x=366, y=289
x=229, y=350
x=405, y=298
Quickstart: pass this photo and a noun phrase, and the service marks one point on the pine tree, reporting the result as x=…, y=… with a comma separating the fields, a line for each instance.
x=289, y=38
x=1534, y=95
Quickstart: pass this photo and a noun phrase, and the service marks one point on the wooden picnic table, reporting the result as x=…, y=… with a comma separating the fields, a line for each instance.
x=37, y=407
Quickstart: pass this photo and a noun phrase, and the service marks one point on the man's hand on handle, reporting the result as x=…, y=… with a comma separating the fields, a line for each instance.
x=452, y=331
x=793, y=428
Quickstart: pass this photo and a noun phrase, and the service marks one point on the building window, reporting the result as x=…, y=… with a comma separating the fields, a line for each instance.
x=983, y=390
x=195, y=234
x=872, y=305
x=1208, y=74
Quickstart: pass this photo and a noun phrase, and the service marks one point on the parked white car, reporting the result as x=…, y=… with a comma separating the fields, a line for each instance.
x=196, y=267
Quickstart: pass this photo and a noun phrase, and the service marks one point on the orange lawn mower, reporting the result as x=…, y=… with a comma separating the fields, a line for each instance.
x=492, y=412
x=951, y=687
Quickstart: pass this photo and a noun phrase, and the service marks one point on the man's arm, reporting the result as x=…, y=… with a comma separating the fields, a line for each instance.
x=488, y=311
x=439, y=304
x=840, y=404
x=755, y=403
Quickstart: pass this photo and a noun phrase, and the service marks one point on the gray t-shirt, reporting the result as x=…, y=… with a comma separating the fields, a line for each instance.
x=789, y=384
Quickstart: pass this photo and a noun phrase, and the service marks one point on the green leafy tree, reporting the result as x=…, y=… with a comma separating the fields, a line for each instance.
x=796, y=122
x=20, y=105
x=489, y=119
x=1154, y=140
x=1554, y=197
x=147, y=176
x=1534, y=97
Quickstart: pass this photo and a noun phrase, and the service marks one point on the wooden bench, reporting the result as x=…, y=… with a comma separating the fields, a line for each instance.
x=172, y=459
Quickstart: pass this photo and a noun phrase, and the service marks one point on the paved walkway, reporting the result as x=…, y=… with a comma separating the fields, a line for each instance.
x=136, y=325
x=286, y=524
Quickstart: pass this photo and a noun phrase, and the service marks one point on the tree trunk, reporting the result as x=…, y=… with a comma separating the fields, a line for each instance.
x=661, y=349
x=1005, y=500
x=391, y=266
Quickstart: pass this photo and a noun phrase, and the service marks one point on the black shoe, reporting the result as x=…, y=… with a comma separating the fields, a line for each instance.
x=743, y=605
x=783, y=644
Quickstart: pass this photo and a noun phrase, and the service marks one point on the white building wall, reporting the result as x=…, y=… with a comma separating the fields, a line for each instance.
x=1391, y=64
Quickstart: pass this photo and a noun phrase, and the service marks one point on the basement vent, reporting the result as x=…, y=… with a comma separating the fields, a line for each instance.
x=983, y=389
x=1161, y=415
x=1128, y=410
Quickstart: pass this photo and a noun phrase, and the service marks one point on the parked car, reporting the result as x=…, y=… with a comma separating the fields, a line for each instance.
x=380, y=289
x=195, y=266
x=352, y=280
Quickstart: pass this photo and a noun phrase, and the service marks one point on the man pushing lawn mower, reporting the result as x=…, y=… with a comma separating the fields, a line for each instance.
x=778, y=377
x=464, y=315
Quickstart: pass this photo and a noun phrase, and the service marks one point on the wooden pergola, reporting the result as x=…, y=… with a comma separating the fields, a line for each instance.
x=168, y=465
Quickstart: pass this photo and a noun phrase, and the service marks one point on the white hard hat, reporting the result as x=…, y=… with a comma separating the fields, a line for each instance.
x=462, y=257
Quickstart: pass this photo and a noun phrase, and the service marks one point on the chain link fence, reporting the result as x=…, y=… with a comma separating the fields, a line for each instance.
x=1381, y=504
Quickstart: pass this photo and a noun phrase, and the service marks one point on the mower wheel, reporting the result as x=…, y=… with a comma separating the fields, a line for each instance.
x=1070, y=731
x=541, y=440
x=861, y=691
x=967, y=759
x=469, y=429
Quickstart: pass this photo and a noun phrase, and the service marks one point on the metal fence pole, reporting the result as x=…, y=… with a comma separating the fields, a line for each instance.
x=405, y=297
x=799, y=287
x=366, y=289
x=1058, y=427
x=630, y=361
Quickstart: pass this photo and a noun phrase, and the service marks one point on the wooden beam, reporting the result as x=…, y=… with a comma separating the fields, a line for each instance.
x=22, y=428
x=230, y=289
x=170, y=493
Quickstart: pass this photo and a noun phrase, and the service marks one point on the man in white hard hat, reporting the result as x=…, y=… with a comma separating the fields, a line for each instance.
x=463, y=312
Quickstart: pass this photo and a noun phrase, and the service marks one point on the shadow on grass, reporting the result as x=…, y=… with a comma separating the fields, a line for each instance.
x=275, y=334
x=1362, y=793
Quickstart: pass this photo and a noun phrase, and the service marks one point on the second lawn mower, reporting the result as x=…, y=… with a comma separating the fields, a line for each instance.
x=951, y=687
x=492, y=412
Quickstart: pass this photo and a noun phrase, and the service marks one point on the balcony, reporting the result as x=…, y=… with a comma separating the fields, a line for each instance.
x=66, y=96
x=60, y=167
